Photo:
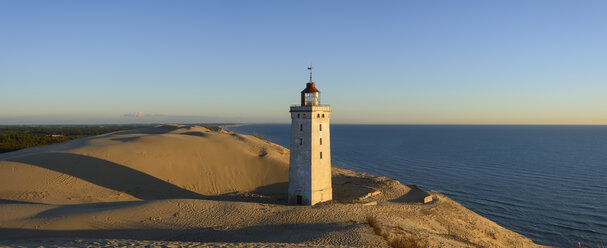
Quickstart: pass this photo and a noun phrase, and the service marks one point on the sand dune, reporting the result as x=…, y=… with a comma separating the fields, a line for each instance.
x=170, y=161
x=194, y=186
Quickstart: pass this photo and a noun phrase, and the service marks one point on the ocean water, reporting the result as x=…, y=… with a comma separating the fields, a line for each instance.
x=548, y=183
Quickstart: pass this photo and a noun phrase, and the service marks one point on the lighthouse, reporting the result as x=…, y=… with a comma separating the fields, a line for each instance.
x=310, y=160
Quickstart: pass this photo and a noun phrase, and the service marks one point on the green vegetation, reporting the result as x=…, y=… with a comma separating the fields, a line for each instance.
x=13, y=138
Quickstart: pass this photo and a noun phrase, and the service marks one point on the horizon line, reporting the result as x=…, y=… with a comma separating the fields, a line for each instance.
x=286, y=123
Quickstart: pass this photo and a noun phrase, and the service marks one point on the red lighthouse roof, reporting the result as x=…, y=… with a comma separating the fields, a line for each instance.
x=310, y=88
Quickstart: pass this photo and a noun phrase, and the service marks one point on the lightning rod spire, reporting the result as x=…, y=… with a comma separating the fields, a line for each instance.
x=310, y=69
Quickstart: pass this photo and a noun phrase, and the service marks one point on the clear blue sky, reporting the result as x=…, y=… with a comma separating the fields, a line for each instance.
x=409, y=62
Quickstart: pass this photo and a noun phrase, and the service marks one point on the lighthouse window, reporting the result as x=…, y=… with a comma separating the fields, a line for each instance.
x=321, y=141
x=300, y=127
x=300, y=141
x=323, y=115
x=297, y=115
x=317, y=115
x=304, y=116
x=321, y=155
x=320, y=127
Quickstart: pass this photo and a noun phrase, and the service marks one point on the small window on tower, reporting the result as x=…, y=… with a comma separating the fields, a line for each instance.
x=321, y=141
x=304, y=116
x=320, y=127
x=323, y=116
x=297, y=115
x=300, y=127
x=300, y=141
x=320, y=155
x=317, y=115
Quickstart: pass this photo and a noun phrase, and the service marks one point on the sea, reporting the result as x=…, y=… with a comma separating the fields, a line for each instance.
x=547, y=182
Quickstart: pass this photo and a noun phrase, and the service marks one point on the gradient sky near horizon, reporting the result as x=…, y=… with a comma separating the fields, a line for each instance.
x=388, y=62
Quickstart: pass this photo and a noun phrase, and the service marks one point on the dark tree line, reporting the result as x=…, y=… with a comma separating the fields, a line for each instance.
x=11, y=142
x=13, y=138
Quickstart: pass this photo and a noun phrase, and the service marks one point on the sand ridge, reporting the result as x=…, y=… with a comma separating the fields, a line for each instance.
x=211, y=187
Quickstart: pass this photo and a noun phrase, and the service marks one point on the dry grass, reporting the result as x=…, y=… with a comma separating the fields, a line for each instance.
x=406, y=241
x=376, y=228
x=259, y=136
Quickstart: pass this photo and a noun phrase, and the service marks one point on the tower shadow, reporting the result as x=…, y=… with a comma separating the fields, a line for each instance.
x=278, y=233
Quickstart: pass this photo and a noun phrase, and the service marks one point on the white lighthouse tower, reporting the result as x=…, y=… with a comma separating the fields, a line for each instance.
x=310, y=161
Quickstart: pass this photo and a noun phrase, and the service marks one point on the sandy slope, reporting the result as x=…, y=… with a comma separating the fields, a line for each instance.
x=156, y=163
x=198, y=187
